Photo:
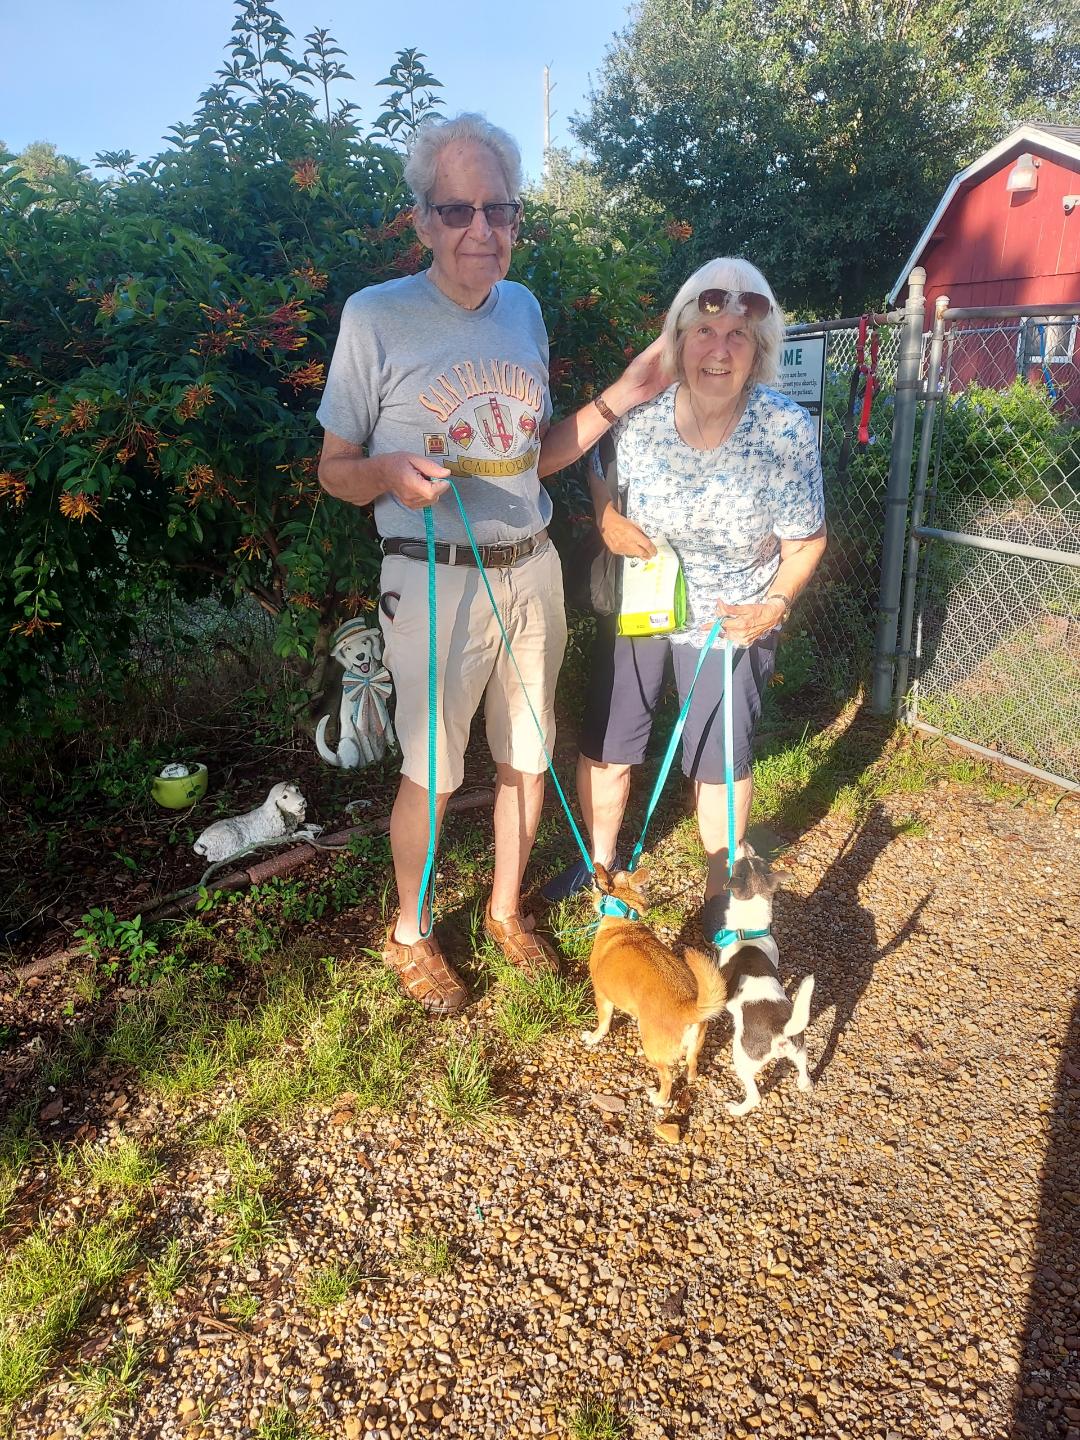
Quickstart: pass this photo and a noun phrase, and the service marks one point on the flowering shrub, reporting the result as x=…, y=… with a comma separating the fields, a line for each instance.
x=164, y=337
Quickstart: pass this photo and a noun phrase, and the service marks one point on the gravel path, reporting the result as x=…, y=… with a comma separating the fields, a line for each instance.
x=895, y=1256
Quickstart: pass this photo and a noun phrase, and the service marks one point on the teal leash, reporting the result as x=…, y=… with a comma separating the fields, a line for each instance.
x=676, y=736
x=427, y=881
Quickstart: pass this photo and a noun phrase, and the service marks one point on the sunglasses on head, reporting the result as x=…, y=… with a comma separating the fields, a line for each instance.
x=459, y=217
x=715, y=302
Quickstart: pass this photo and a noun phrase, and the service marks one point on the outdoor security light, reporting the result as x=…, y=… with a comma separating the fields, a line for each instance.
x=1024, y=175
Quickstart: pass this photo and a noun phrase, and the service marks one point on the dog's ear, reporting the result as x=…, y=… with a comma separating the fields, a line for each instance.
x=639, y=880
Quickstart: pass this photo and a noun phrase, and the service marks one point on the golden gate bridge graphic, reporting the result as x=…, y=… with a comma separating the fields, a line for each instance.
x=496, y=425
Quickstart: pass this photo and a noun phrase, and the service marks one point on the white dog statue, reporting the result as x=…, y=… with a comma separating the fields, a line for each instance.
x=276, y=818
x=364, y=725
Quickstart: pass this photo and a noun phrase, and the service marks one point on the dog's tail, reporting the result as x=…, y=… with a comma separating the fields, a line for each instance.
x=711, y=986
x=800, y=1008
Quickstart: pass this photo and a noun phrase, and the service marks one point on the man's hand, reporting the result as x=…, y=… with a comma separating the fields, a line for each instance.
x=642, y=379
x=743, y=624
x=622, y=537
x=414, y=480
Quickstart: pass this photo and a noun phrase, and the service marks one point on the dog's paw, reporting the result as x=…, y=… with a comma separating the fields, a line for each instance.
x=591, y=1038
x=738, y=1108
x=805, y=1084
x=655, y=1098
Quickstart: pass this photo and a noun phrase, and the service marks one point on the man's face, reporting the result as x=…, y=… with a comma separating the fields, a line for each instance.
x=467, y=263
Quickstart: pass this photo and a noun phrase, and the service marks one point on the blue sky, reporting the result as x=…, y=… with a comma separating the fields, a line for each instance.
x=95, y=75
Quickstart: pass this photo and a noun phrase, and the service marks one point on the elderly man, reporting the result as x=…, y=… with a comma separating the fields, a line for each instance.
x=446, y=373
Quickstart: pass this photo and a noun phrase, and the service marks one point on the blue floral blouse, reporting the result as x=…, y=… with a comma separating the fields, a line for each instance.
x=723, y=511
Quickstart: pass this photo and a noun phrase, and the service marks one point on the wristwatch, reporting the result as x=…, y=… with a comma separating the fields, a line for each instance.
x=785, y=600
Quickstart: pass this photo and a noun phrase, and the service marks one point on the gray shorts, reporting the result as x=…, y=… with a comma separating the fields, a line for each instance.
x=627, y=684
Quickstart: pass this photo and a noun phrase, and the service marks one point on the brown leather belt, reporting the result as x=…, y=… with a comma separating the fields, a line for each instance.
x=498, y=557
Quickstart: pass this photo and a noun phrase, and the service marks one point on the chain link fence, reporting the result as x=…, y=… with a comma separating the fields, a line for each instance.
x=998, y=612
x=837, y=611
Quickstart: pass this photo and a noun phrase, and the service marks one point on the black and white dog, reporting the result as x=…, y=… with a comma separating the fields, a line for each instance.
x=768, y=1026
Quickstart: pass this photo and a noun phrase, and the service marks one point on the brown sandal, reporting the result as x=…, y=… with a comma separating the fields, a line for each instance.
x=425, y=974
x=516, y=937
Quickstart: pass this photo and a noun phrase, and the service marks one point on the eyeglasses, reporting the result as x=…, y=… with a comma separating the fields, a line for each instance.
x=715, y=302
x=460, y=217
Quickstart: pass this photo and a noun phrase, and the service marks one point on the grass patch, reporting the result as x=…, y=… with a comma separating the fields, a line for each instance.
x=464, y=1093
x=251, y=1219
x=527, y=1010
x=597, y=1420
x=330, y=1286
x=166, y=1274
x=426, y=1254
x=106, y=1393
x=281, y=1423
x=45, y=1285
x=126, y=1166
x=241, y=1306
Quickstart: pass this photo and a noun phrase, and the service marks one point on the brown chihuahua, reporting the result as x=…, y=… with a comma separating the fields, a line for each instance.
x=672, y=999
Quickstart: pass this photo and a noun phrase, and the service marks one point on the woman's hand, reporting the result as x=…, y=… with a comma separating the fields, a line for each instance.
x=622, y=537
x=743, y=624
x=643, y=378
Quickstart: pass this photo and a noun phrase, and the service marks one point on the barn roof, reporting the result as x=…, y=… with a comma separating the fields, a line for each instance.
x=1063, y=140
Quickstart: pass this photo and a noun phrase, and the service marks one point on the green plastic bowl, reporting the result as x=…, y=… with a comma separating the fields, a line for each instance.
x=177, y=793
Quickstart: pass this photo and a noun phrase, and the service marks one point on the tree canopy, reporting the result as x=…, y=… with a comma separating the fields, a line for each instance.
x=815, y=138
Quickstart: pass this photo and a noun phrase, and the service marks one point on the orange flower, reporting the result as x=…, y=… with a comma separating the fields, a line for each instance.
x=355, y=603
x=316, y=279
x=646, y=301
x=585, y=302
x=308, y=376
x=45, y=413
x=250, y=547
x=401, y=222
x=83, y=414
x=305, y=175
x=559, y=370
x=109, y=303
x=34, y=626
x=678, y=230
x=77, y=506
x=305, y=600
x=194, y=401
x=197, y=482
x=13, y=488
x=408, y=261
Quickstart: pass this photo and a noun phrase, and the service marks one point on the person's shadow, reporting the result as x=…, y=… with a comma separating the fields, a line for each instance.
x=1046, y=1405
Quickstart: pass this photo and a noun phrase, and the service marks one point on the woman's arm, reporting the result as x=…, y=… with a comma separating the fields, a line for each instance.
x=798, y=561
x=567, y=441
x=620, y=535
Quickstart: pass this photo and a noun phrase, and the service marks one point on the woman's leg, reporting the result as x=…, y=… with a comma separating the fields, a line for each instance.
x=713, y=825
x=603, y=789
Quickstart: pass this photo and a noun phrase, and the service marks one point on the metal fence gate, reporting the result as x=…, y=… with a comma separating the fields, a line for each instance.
x=952, y=579
x=990, y=642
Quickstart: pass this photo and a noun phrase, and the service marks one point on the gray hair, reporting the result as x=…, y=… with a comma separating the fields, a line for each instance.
x=735, y=274
x=434, y=136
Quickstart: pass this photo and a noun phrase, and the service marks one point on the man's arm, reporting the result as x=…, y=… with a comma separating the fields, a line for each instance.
x=567, y=441
x=348, y=474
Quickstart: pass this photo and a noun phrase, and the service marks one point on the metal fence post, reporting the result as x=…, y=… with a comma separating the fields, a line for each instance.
x=918, y=501
x=896, y=502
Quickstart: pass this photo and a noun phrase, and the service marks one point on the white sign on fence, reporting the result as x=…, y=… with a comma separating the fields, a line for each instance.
x=802, y=374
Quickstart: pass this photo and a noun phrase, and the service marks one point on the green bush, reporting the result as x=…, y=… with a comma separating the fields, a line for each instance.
x=165, y=335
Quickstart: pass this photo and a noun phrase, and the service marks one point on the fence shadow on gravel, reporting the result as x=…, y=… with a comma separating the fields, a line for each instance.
x=1047, y=1401
x=843, y=972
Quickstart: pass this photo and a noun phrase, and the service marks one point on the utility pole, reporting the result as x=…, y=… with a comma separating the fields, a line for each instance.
x=548, y=87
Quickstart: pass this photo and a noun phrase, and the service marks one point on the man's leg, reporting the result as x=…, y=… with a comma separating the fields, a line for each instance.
x=713, y=827
x=409, y=827
x=519, y=799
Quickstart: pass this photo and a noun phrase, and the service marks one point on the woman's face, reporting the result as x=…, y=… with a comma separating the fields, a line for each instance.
x=718, y=353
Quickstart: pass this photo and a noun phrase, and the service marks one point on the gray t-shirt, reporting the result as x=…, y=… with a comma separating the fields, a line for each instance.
x=413, y=371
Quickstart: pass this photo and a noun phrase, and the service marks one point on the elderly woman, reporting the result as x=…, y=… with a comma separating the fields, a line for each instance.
x=728, y=471
x=446, y=373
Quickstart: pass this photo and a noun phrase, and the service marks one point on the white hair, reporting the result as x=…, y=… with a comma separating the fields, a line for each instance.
x=737, y=275
x=434, y=136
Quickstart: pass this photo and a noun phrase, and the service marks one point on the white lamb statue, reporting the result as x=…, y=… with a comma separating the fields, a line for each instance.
x=364, y=725
x=278, y=816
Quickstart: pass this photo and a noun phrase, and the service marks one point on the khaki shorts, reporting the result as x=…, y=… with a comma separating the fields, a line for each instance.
x=472, y=661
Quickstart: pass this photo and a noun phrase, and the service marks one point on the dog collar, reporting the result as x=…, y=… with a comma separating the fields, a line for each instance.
x=618, y=909
x=723, y=938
